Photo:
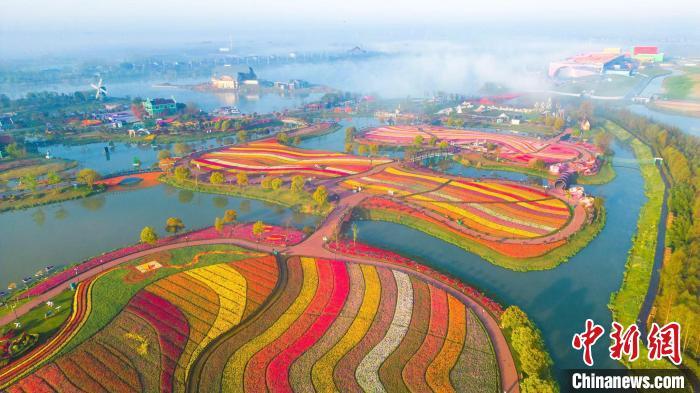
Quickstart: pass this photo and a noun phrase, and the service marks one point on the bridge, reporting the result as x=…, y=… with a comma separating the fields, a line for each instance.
x=426, y=154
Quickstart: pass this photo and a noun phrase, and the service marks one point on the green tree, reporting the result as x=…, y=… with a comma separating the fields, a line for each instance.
x=266, y=183
x=15, y=150
x=29, y=182
x=362, y=150
x=217, y=178
x=320, y=196
x=174, y=225
x=537, y=163
x=559, y=123
x=282, y=138
x=242, y=136
x=350, y=134
x=148, y=235
x=443, y=145
x=242, y=179
x=349, y=147
x=514, y=317
x=297, y=184
x=218, y=224
x=181, y=149
x=297, y=141
x=374, y=149
x=433, y=141
x=182, y=173
x=230, y=216
x=355, y=232
x=88, y=176
x=537, y=385
x=418, y=141
x=258, y=229
x=53, y=178
x=163, y=154
x=275, y=184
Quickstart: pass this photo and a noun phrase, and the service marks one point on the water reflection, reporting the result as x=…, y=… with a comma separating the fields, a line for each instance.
x=185, y=196
x=95, y=203
x=219, y=201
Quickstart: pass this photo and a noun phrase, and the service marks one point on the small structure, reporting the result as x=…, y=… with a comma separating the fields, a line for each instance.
x=647, y=54
x=159, y=106
x=563, y=181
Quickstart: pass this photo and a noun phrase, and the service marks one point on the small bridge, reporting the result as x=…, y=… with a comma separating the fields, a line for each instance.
x=420, y=155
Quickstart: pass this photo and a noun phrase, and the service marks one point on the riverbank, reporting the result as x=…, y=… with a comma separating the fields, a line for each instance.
x=40, y=198
x=625, y=304
x=301, y=201
x=540, y=257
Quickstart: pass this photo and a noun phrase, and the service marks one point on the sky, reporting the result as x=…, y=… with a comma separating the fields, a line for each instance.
x=37, y=15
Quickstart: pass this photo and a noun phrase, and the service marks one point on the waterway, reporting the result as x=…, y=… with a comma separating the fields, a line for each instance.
x=558, y=300
x=73, y=231
x=689, y=124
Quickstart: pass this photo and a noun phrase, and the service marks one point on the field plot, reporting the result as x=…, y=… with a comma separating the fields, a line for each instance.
x=151, y=344
x=516, y=148
x=339, y=326
x=270, y=157
x=499, y=209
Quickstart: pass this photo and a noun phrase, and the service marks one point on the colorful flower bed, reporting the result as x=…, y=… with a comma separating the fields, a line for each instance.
x=270, y=157
x=494, y=208
x=335, y=325
x=82, y=305
x=516, y=148
x=153, y=342
x=389, y=210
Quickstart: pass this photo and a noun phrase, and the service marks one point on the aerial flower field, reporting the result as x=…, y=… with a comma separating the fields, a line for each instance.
x=497, y=209
x=516, y=148
x=326, y=324
x=340, y=326
x=270, y=157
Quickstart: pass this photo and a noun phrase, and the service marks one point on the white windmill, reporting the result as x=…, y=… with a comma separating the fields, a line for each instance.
x=100, y=90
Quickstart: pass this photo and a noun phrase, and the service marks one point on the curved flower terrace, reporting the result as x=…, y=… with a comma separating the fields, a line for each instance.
x=218, y=317
x=272, y=158
x=579, y=157
x=508, y=223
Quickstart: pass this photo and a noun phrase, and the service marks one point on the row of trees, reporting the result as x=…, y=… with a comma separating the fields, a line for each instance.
x=679, y=296
x=529, y=348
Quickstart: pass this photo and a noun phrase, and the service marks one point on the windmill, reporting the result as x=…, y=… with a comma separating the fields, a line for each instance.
x=100, y=90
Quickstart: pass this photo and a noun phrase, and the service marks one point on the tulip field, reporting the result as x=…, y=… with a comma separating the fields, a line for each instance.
x=272, y=158
x=254, y=324
x=340, y=326
x=497, y=209
x=516, y=148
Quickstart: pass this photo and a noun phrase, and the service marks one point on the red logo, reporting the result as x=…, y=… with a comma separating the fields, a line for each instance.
x=586, y=340
x=665, y=342
x=625, y=342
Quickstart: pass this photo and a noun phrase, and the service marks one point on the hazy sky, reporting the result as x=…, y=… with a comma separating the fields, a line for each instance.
x=37, y=15
x=31, y=28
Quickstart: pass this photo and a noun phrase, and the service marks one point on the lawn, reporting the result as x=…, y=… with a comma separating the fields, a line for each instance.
x=627, y=301
x=299, y=201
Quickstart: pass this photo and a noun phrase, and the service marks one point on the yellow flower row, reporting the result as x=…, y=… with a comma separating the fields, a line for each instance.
x=231, y=301
x=322, y=372
x=438, y=373
x=235, y=367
